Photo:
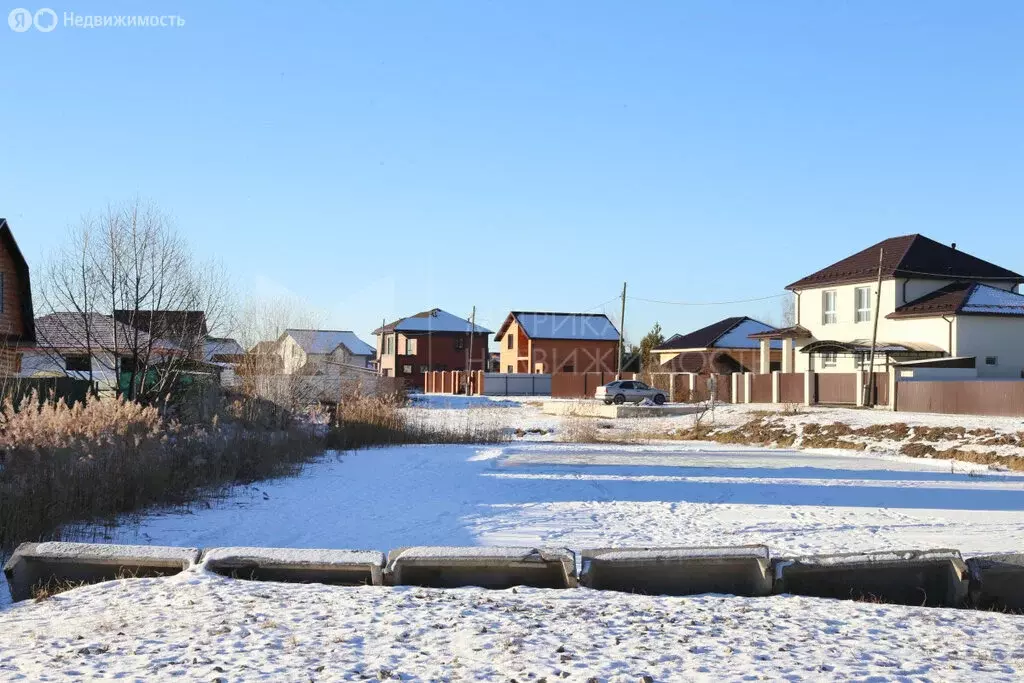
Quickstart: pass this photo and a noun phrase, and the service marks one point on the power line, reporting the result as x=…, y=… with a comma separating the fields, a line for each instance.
x=709, y=303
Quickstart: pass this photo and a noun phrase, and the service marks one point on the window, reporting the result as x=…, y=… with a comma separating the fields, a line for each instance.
x=406, y=369
x=626, y=385
x=424, y=368
x=828, y=307
x=508, y=369
x=862, y=302
x=991, y=360
x=460, y=343
x=828, y=359
x=410, y=347
x=508, y=339
x=77, y=363
x=640, y=385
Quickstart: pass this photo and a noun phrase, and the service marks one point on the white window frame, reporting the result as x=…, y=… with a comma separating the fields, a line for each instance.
x=829, y=359
x=829, y=316
x=862, y=314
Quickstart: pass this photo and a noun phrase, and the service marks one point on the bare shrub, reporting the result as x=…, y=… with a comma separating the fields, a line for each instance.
x=579, y=429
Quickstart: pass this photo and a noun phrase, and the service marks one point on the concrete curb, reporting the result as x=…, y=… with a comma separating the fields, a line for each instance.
x=298, y=565
x=487, y=567
x=997, y=581
x=739, y=570
x=936, y=578
x=41, y=564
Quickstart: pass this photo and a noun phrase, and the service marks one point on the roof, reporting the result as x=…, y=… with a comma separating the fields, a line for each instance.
x=963, y=298
x=913, y=256
x=24, y=279
x=792, y=332
x=575, y=326
x=323, y=342
x=181, y=326
x=864, y=346
x=434, y=320
x=729, y=333
x=221, y=346
x=90, y=331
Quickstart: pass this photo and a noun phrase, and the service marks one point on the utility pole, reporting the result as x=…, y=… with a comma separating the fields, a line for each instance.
x=869, y=399
x=622, y=331
x=469, y=362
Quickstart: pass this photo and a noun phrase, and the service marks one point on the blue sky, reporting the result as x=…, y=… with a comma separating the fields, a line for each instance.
x=381, y=158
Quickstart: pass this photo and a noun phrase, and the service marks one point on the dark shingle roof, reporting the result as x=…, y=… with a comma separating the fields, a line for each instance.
x=963, y=298
x=913, y=256
x=95, y=331
x=178, y=326
x=710, y=336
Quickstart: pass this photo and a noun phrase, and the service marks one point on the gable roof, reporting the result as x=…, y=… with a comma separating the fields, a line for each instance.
x=263, y=348
x=188, y=327
x=434, y=320
x=729, y=333
x=221, y=346
x=575, y=326
x=913, y=256
x=323, y=342
x=24, y=279
x=91, y=331
x=963, y=298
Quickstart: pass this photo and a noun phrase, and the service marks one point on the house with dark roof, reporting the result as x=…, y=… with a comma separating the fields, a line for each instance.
x=430, y=340
x=16, y=315
x=187, y=330
x=544, y=342
x=935, y=302
x=724, y=347
x=322, y=352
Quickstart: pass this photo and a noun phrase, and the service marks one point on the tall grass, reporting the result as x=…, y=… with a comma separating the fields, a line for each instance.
x=87, y=463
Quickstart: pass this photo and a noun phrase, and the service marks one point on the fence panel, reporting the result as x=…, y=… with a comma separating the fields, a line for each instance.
x=761, y=389
x=971, y=397
x=836, y=387
x=741, y=387
x=791, y=387
x=881, y=388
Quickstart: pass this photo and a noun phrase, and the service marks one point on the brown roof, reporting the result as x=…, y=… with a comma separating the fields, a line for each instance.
x=913, y=256
x=90, y=331
x=182, y=327
x=793, y=332
x=24, y=279
x=963, y=298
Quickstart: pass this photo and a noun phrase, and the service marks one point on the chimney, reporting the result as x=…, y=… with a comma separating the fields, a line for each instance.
x=954, y=246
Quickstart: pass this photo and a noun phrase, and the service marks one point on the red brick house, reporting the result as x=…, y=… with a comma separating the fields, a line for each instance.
x=543, y=342
x=17, y=326
x=431, y=340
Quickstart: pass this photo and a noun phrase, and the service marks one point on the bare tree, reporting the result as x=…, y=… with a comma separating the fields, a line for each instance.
x=128, y=289
x=265, y=319
x=787, y=310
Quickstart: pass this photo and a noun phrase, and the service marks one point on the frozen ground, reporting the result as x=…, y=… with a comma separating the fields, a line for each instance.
x=204, y=627
x=200, y=626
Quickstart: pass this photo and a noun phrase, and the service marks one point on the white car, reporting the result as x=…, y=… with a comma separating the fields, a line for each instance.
x=623, y=390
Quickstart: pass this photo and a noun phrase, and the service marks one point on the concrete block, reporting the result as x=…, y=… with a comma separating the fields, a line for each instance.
x=487, y=567
x=298, y=565
x=936, y=578
x=739, y=570
x=612, y=412
x=997, y=581
x=40, y=564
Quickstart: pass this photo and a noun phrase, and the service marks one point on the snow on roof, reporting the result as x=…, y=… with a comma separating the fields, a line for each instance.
x=322, y=342
x=985, y=299
x=577, y=326
x=739, y=336
x=221, y=347
x=434, y=320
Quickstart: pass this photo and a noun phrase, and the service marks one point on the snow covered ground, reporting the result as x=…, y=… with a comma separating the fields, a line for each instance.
x=204, y=627
x=538, y=491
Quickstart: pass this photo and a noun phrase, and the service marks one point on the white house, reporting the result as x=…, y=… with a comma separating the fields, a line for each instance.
x=935, y=302
x=323, y=352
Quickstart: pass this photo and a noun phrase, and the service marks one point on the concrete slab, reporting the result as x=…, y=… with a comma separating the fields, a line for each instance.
x=611, y=412
x=936, y=578
x=997, y=581
x=298, y=565
x=42, y=564
x=487, y=567
x=738, y=570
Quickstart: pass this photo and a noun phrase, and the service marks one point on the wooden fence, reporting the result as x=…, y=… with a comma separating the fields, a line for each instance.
x=835, y=387
x=969, y=397
x=791, y=387
x=761, y=389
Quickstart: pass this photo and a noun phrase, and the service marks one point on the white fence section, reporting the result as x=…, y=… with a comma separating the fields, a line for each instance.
x=516, y=384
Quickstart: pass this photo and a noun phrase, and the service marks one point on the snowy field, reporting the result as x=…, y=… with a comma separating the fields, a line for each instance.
x=537, y=491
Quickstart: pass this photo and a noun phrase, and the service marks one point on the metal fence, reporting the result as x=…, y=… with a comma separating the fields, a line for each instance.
x=971, y=397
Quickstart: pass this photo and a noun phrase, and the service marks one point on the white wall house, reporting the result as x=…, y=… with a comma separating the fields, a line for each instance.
x=323, y=352
x=935, y=301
